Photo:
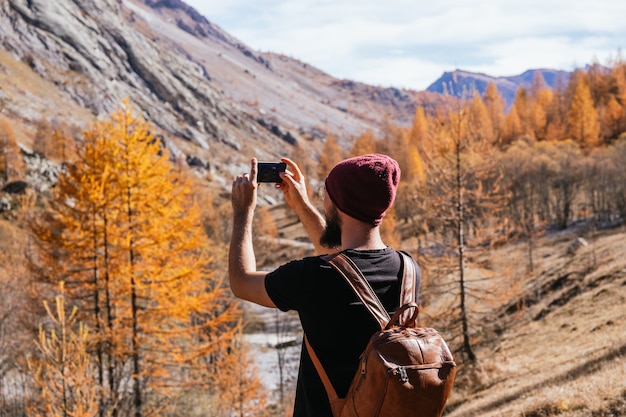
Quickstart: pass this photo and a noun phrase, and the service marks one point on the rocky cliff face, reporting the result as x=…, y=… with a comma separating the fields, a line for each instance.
x=210, y=96
x=91, y=51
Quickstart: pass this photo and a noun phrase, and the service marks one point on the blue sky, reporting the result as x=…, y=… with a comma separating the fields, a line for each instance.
x=410, y=43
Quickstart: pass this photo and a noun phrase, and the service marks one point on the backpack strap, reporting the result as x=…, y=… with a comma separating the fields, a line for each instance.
x=354, y=277
x=407, y=291
x=330, y=390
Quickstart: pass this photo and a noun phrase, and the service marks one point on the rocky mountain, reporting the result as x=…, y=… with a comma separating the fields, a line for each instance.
x=457, y=83
x=214, y=100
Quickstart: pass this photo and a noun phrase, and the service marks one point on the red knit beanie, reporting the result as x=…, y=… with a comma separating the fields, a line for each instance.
x=364, y=187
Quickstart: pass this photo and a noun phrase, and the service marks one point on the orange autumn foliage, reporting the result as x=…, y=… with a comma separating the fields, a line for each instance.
x=125, y=233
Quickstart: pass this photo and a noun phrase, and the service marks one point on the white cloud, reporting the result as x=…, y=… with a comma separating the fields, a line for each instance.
x=405, y=43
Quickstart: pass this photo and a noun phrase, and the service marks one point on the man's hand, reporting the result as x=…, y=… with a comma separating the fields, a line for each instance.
x=293, y=186
x=294, y=190
x=245, y=281
x=244, y=193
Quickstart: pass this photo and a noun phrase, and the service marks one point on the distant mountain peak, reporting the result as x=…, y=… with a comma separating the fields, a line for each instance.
x=461, y=83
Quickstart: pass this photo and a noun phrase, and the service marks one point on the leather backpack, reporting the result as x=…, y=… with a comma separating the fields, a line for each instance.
x=404, y=370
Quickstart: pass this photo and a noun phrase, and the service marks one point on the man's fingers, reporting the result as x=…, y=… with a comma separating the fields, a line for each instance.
x=296, y=170
x=253, y=169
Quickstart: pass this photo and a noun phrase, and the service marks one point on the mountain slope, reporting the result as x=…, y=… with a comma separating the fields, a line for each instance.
x=560, y=350
x=209, y=95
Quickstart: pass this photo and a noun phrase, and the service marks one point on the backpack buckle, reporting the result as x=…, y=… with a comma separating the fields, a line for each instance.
x=402, y=375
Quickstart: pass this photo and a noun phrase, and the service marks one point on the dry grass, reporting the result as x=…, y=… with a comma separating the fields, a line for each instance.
x=564, y=354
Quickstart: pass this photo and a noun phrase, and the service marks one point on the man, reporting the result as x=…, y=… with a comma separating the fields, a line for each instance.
x=358, y=191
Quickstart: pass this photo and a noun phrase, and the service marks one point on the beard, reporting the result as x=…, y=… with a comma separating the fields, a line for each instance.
x=331, y=236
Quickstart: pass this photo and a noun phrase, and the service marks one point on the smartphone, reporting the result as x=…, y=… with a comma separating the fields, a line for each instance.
x=268, y=171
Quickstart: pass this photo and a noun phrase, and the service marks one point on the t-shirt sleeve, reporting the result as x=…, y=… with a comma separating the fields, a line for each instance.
x=287, y=285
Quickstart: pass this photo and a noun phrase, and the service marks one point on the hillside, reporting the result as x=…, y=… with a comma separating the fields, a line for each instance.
x=563, y=352
x=211, y=97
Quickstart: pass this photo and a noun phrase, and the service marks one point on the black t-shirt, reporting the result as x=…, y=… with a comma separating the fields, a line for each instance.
x=335, y=321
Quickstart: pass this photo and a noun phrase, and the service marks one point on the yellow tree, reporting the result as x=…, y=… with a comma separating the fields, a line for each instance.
x=418, y=134
x=306, y=162
x=612, y=119
x=364, y=144
x=239, y=389
x=125, y=232
x=555, y=117
x=42, y=137
x=62, y=146
x=618, y=76
x=480, y=119
x=495, y=108
x=582, y=117
x=512, y=126
x=331, y=154
x=388, y=229
x=540, y=111
x=11, y=162
x=75, y=240
x=418, y=144
x=522, y=106
x=62, y=368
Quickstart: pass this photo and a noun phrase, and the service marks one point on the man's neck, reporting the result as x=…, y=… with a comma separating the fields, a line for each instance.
x=360, y=236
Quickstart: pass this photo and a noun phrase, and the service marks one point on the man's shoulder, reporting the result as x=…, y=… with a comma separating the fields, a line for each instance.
x=309, y=264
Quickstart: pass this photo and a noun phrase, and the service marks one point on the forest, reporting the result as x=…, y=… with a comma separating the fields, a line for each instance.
x=115, y=300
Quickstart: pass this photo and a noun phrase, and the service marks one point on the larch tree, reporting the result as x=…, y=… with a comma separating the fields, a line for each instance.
x=307, y=164
x=409, y=197
x=462, y=196
x=612, y=119
x=598, y=81
x=62, y=146
x=495, y=108
x=618, y=77
x=542, y=100
x=512, y=127
x=395, y=142
x=75, y=239
x=11, y=162
x=556, y=116
x=522, y=105
x=389, y=229
x=62, y=368
x=239, y=388
x=43, y=133
x=124, y=231
x=365, y=143
x=330, y=155
x=582, y=117
x=480, y=120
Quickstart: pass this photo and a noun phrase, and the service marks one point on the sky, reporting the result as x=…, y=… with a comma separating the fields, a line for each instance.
x=411, y=43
